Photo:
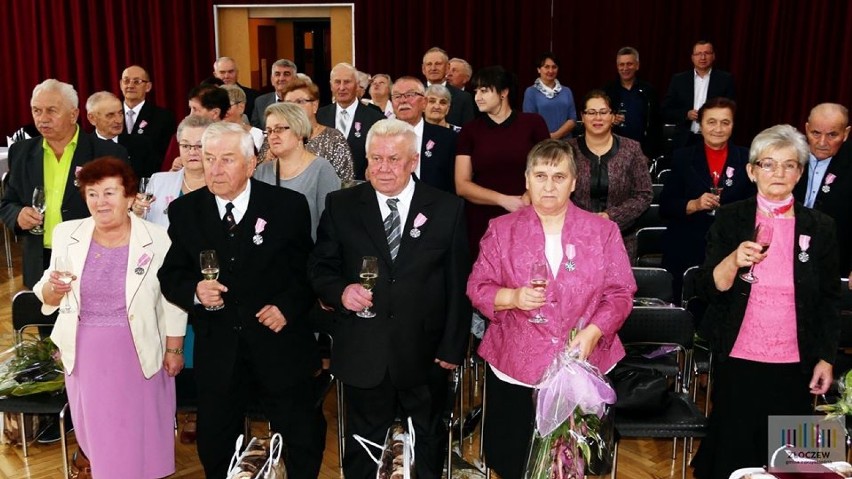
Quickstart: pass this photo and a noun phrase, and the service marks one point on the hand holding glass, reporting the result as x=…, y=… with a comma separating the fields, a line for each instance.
x=145, y=190
x=39, y=205
x=763, y=237
x=210, y=271
x=64, y=270
x=538, y=281
x=368, y=276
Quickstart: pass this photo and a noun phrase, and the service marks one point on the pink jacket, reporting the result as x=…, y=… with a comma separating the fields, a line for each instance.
x=599, y=291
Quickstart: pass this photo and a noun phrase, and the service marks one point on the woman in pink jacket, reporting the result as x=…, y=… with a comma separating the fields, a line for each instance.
x=589, y=287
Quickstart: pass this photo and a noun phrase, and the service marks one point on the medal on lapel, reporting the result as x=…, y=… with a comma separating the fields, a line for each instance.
x=570, y=254
x=804, y=244
x=729, y=173
x=357, y=126
x=140, y=264
x=258, y=229
x=829, y=179
x=419, y=221
x=429, y=145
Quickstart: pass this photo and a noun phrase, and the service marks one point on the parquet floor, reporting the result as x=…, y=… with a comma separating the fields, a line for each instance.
x=638, y=459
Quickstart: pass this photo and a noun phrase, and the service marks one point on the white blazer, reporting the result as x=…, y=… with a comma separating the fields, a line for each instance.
x=151, y=316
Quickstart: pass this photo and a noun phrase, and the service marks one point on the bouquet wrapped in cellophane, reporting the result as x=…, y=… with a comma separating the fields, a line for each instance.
x=30, y=367
x=570, y=402
x=843, y=406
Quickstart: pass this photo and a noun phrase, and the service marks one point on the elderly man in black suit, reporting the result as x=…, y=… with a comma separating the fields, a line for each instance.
x=690, y=89
x=50, y=161
x=394, y=364
x=283, y=72
x=348, y=115
x=826, y=184
x=253, y=343
x=435, y=64
x=104, y=112
x=143, y=117
x=435, y=144
x=225, y=69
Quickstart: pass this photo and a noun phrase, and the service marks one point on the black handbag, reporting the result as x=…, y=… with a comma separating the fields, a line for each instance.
x=639, y=389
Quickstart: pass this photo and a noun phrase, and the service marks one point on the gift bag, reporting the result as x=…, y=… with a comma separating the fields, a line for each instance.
x=397, y=454
x=261, y=459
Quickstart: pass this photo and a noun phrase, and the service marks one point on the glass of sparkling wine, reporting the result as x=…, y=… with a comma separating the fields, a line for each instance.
x=210, y=271
x=39, y=205
x=145, y=190
x=368, y=276
x=64, y=270
x=763, y=237
x=538, y=281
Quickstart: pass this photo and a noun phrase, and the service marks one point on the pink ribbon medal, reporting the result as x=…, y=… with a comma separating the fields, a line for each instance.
x=142, y=126
x=729, y=173
x=804, y=244
x=429, y=145
x=140, y=265
x=570, y=254
x=258, y=229
x=169, y=200
x=76, y=174
x=419, y=221
x=829, y=179
x=357, y=125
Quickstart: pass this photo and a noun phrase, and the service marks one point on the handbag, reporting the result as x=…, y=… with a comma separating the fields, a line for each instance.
x=639, y=390
x=261, y=459
x=397, y=453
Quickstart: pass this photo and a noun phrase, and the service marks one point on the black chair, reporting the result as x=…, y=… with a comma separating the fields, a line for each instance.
x=26, y=313
x=653, y=283
x=681, y=418
x=649, y=246
x=661, y=176
x=649, y=218
x=8, y=234
x=657, y=189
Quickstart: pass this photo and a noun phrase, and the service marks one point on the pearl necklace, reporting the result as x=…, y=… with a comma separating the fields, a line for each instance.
x=187, y=185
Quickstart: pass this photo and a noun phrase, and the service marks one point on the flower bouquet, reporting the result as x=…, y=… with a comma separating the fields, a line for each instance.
x=30, y=367
x=570, y=403
x=843, y=406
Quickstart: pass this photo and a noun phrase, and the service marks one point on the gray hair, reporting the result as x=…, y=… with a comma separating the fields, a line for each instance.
x=223, y=128
x=392, y=127
x=284, y=63
x=385, y=75
x=235, y=93
x=343, y=66
x=468, y=70
x=193, y=122
x=551, y=152
x=777, y=137
x=828, y=108
x=438, y=50
x=295, y=117
x=97, y=97
x=440, y=91
x=65, y=89
x=224, y=59
x=628, y=51
x=363, y=80
x=420, y=87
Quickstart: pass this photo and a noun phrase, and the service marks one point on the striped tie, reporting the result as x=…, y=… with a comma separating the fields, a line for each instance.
x=343, y=121
x=393, y=230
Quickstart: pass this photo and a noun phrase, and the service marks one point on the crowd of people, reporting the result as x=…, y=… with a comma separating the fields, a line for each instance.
x=388, y=220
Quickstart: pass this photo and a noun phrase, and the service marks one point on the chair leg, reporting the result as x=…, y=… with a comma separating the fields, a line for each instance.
x=23, y=428
x=614, y=461
x=482, y=425
x=683, y=466
x=341, y=427
x=64, y=441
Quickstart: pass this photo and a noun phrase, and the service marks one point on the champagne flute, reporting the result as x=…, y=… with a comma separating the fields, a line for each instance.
x=538, y=280
x=368, y=276
x=39, y=204
x=716, y=190
x=145, y=190
x=210, y=271
x=763, y=237
x=64, y=270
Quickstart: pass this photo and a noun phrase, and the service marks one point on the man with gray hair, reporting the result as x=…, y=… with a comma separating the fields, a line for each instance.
x=635, y=103
x=253, y=341
x=394, y=360
x=49, y=162
x=141, y=115
x=283, y=72
x=462, y=108
x=348, y=115
x=225, y=69
x=459, y=73
x=105, y=113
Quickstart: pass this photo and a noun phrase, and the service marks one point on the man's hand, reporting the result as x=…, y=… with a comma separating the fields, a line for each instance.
x=445, y=364
x=271, y=317
x=209, y=293
x=29, y=218
x=692, y=115
x=821, y=379
x=356, y=298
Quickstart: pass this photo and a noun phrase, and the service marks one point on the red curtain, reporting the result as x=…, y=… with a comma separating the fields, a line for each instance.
x=786, y=56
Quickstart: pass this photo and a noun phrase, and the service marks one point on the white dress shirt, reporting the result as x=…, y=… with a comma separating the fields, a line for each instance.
x=241, y=203
x=351, y=110
x=699, y=95
x=403, y=206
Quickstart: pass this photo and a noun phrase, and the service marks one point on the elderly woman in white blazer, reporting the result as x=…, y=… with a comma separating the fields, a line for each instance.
x=120, y=341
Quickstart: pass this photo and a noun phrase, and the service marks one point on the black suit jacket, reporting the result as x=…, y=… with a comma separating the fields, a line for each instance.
x=270, y=273
x=836, y=202
x=462, y=107
x=251, y=97
x=258, y=120
x=652, y=131
x=422, y=312
x=357, y=139
x=680, y=96
x=438, y=157
x=26, y=171
x=157, y=124
x=815, y=281
x=139, y=152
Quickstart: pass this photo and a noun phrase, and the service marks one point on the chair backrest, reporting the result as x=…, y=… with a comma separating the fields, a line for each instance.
x=649, y=218
x=26, y=312
x=657, y=188
x=653, y=283
x=649, y=246
x=690, y=288
x=845, y=295
x=661, y=176
x=658, y=325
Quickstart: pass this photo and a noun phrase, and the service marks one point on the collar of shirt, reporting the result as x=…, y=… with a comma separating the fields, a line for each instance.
x=241, y=203
x=418, y=130
x=443, y=83
x=404, y=204
x=113, y=139
x=136, y=109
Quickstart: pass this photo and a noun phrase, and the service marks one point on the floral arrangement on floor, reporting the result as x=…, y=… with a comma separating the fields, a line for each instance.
x=31, y=367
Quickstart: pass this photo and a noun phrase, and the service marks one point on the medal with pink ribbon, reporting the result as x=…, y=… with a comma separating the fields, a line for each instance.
x=804, y=244
x=429, y=145
x=419, y=221
x=829, y=179
x=729, y=173
x=570, y=254
x=140, y=264
x=258, y=229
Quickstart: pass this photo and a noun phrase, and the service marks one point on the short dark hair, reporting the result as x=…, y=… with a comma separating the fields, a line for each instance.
x=97, y=170
x=211, y=97
x=597, y=94
x=494, y=78
x=717, y=102
x=547, y=56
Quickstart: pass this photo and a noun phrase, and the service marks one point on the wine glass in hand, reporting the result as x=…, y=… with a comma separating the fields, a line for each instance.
x=538, y=281
x=64, y=270
x=145, y=190
x=368, y=276
x=763, y=237
x=39, y=205
x=716, y=189
x=210, y=271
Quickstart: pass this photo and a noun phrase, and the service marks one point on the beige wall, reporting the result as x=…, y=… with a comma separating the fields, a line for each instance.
x=235, y=40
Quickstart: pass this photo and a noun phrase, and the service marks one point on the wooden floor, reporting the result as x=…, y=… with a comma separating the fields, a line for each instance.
x=637, y=458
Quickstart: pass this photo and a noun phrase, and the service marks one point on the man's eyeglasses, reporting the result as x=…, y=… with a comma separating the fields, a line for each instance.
x=597, y=112
x=133, y=81
x=188, y=147
x=278, y=130
x=409, y=95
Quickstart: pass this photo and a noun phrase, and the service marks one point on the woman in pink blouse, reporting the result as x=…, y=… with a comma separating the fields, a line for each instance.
x=590, y=288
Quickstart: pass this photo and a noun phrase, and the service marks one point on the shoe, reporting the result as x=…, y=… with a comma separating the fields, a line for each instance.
x=81, y=468
x=50, y=433
x=188, y=433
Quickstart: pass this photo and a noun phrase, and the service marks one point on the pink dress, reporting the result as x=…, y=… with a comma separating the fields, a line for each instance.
x=124, y=423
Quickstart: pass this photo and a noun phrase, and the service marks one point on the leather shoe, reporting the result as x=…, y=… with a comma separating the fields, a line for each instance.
x=188, y=433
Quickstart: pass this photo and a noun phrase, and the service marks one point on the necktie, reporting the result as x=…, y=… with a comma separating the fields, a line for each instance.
x=343, y=121
x=130, y=120
x=228, y=220
x=393, y=229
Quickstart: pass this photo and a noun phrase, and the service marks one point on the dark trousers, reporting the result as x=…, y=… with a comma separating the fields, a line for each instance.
x=371, y=411
x=509, y=416
x=290, y=409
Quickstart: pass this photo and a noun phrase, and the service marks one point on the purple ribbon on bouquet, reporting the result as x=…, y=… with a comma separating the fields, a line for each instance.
x=572, y=384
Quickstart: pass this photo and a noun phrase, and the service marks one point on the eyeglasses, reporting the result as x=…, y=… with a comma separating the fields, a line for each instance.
x=300, y=101
x=409, y=95
x=188, y=147
x=278, y=130
x=771, y=166
x=133, y=81
x=597, y=112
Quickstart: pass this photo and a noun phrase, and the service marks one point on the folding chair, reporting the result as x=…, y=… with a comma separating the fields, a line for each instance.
x=653, y=283
x=649, y=246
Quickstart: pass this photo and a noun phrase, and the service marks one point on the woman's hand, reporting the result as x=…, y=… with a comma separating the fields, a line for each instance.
x=141, y=204
x=527, y=299
x=725, y=273
x=585, y=341
x=707, y=201
x=511, y=203
x=748, y=254
x=822, y=377
x=54, y=289
x=177, y=164
x=173, y=363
